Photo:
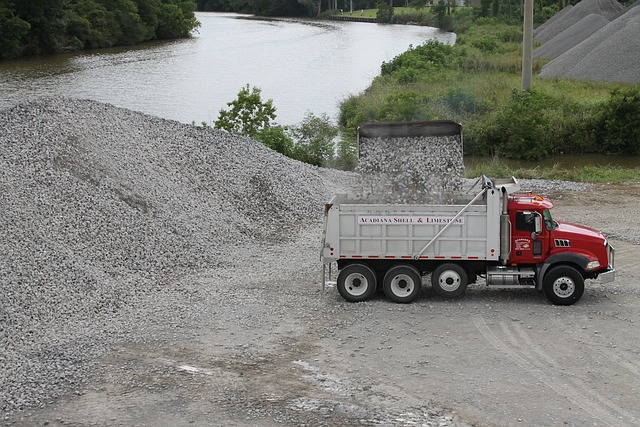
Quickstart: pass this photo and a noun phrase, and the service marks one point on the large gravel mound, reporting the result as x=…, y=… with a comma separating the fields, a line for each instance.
x=102, y=206
x=610, y=9
x=571, y=37
x=610, y=54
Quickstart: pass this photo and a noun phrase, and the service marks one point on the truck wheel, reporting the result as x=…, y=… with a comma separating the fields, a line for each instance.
x=449, y=280
x=402, y=283
x=563, y=285
x=356, y=282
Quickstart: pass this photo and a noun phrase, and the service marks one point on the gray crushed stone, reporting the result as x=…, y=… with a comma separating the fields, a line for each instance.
x=424, y=169
x=607, y=8
x=571, y=37
x=101, y=208
x=611, y=54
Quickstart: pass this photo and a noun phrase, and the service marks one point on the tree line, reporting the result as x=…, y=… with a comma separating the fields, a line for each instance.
x=35, y=27
x=292, y=7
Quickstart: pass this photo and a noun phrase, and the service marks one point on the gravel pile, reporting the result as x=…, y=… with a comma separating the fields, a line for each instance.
x=102, y=207
x=610, y=9
x=571, y=37
x=409, y=169
x=611, y=54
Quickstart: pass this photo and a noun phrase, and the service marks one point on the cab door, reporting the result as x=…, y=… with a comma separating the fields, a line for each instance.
x=528, y=242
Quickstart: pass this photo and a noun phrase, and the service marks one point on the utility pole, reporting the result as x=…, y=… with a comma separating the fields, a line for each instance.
x=527, y=46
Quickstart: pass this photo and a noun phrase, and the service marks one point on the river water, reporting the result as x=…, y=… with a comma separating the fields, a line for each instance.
x=303, y=65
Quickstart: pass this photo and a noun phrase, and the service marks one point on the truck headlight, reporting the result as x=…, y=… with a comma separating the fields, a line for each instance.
x=593, y=264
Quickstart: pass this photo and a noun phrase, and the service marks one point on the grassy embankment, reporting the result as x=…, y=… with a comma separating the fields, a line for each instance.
x=477, y=83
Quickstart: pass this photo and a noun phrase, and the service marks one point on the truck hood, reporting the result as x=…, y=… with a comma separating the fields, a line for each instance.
x=567, y=230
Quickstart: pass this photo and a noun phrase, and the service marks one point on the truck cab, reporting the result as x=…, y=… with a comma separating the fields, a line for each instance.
x=539, y=241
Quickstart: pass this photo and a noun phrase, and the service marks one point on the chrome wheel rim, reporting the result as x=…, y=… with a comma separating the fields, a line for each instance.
x=564, y=287
x=356, y=284
x=402, y=285
x=449, y=280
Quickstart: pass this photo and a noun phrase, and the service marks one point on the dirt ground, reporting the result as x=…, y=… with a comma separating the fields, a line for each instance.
x=270, y=348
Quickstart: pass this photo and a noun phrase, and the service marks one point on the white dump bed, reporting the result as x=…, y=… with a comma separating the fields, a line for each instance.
x=356, y=230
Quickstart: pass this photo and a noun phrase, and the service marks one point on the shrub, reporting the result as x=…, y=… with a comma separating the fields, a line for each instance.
x=405, y=106
x=511, y=35
x=313, y=139
x=460, y=102
x=519, y=129
x=618, y=124
x=347, y=154
x=486, y=44
x=429, y=55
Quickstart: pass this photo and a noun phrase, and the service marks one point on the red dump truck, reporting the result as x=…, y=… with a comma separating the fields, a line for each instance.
x=506, y=236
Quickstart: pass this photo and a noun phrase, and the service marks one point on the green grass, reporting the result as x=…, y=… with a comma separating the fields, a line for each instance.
x=595, y=174
x=359, y=13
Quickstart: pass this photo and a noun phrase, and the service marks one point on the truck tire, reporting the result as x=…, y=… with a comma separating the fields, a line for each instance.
x=563, y=285
x=449, y=280
x=356, y=282
x=402, y=283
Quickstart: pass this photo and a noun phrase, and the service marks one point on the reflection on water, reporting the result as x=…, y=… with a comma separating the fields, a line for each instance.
x=303, y=65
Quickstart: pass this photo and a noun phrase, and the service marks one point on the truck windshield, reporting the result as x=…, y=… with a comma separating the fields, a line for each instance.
x=548, y=220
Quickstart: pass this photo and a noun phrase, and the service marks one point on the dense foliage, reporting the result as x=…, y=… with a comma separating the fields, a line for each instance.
x=293, y=7
x=476, y=82
x=256, y=7
x=50, y=26
x=620, y=122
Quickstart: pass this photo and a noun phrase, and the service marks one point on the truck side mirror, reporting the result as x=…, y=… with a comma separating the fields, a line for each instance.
x=538, y=224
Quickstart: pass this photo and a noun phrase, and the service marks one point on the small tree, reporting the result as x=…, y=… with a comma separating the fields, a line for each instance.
x=485, y=6
x=440, y=10
x=248, y=114
x=385, y=13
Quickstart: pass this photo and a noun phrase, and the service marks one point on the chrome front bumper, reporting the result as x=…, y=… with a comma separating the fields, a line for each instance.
x=607, y=276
